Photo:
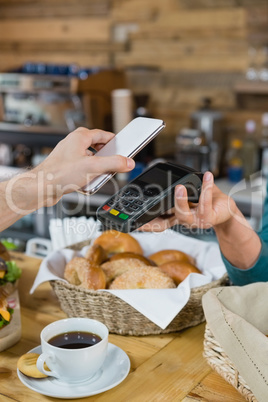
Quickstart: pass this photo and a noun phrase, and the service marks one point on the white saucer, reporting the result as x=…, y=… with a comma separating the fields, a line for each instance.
x=115, y=369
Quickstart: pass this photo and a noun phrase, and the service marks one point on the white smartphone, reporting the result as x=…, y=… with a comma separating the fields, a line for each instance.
x=128, y=142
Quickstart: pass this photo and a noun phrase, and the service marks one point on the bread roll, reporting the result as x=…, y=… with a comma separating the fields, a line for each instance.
x=113, y=269
x=120, y=256
x=144, y=277
x=113, y=242
x=93, y=277
x=96, y=254
x=161, y=257
x=79, y=271
x=178, y=270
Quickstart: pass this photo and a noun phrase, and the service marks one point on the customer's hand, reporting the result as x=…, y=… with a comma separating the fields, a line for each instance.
x=214, y=208
x=71, y=165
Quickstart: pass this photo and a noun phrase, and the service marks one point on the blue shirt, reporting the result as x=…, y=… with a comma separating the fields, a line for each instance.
x=259, y=271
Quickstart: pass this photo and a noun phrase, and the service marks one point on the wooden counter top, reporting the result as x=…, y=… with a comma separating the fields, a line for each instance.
x=164, y=368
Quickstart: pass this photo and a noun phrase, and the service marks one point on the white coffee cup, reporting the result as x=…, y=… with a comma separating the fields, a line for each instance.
x=73, y=365
x=122, y=108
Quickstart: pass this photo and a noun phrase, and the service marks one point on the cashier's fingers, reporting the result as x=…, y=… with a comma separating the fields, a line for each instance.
x=160, y=223
x=205, y=205
x=202, y=214
x=196, y=215
x=184, y=213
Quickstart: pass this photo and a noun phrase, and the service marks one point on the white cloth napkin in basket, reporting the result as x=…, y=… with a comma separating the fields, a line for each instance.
x=238, y=319
x=158, y=305
x=67, y=231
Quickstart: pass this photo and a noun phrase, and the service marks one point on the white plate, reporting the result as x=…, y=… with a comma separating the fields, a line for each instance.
x=115, y=369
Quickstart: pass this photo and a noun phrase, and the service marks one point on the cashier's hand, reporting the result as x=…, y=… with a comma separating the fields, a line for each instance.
x=72, y=165
x=214, y=208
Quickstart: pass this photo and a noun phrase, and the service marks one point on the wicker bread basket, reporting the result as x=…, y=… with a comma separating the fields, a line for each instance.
x=220, y=362
x=120, y=317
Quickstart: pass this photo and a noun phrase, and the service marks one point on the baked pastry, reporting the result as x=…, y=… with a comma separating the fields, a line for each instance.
x=120, y=256
x=71, y=272
x=116, y=242
x=113, y=269
x=179, y=270
x=27, y=365
x=163, y=256
x=96, y=254
x=79, y=271
x=143, y=277
x=93, y=277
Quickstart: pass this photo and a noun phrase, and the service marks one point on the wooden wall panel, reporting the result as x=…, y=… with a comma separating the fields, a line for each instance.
x=52, y=8
x=191, y=40
x=195, y=55
x=141, y=10
x=187, y=63
x=201, y=20
x=55, y=29
x=201, y=4
x=169, y=35
x=152, y=31
x=258, y=24
x=225, y=23
x=61, y=47
x=52, y=32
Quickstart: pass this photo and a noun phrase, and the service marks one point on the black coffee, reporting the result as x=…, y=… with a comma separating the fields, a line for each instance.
x=75, y=340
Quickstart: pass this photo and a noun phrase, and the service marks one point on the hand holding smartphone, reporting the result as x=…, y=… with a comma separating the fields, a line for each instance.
x=128, y=142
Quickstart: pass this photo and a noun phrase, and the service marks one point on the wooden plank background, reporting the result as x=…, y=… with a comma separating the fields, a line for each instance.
x=178, y=51
x=52, y=8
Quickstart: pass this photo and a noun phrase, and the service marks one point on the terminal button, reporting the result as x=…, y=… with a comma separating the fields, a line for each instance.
x=114, y=212
x=123, y=216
